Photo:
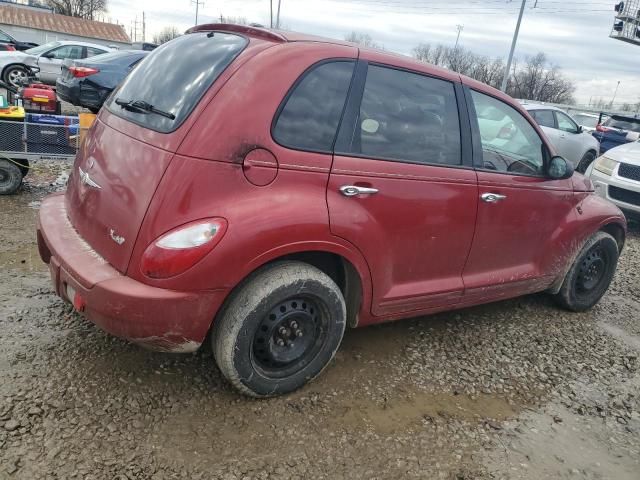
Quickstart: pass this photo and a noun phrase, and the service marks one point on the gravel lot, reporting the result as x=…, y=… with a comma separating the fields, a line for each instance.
x=518, y=389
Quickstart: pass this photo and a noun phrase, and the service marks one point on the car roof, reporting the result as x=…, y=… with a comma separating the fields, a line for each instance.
x=374, y=54
x=539, y=106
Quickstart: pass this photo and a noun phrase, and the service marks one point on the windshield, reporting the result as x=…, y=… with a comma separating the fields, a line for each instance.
x=174, y=77
x=42, y=48
x=630, y=125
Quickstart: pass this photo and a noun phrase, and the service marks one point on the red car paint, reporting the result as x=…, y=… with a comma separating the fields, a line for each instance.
x=424, y=244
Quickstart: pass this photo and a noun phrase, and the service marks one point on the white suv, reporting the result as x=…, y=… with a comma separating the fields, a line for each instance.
x=616, y=177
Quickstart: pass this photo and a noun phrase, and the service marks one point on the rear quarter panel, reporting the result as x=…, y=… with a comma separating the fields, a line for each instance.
x=206, y=179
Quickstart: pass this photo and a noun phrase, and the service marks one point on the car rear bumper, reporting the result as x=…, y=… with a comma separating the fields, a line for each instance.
x=625, y=193
x=155, y=318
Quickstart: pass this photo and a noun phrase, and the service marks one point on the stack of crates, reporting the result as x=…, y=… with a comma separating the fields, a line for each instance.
x=52, y=134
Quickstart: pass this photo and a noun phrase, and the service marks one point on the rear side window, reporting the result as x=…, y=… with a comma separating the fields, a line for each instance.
x=175, y=76
x=310, y=116
x=92, y=52
x=408, y=117
x=544, y=118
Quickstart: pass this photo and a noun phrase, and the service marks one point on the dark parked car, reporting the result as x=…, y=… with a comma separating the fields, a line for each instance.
x=617, y=130
x=8, y=43
x=88, y=83
x=264, y=191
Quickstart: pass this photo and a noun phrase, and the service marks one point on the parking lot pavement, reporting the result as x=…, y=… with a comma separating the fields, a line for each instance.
x=518, y=389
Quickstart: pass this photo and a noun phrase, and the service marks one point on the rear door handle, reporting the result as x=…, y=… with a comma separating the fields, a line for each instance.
x=492, y=197
x=353, y=190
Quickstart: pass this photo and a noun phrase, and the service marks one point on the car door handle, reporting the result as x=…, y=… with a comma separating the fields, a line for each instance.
x=353, y=190
x=492, y=197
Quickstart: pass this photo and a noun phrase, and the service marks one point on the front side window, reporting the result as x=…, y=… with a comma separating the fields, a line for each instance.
x=513, y=145
x=310, y=117
x=174, y=77
x=544, y=118
x=74, y=52
x=565, y=123
x=408, y=117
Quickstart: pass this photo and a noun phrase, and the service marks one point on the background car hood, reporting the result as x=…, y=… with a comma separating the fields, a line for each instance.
x=16, y=56
x=627, y=153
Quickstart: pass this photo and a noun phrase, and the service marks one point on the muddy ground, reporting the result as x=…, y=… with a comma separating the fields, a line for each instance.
x=518, y=389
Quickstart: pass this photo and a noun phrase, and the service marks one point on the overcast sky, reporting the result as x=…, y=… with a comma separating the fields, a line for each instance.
x=574, y=34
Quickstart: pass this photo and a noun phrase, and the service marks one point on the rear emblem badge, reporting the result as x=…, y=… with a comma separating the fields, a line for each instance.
x=86, y=179
x=116, y=238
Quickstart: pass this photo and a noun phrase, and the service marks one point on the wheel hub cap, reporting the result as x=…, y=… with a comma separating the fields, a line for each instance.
x=286, y=334
x=592, y=269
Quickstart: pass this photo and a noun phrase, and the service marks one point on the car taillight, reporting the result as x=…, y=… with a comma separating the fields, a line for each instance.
x=11, y=48
x=80, y=72
x=180, y=249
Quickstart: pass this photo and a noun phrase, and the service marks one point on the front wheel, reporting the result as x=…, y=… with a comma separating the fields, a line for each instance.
x=588, y=158
x=591, y=273
x=16, y=75
x=280, y=329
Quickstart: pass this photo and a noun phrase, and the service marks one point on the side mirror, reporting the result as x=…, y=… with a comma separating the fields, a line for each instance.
x=559, y=168
x=580, y=129
x=49, y=55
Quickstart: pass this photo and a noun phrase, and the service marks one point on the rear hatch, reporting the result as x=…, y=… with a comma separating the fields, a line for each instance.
x=119, y=166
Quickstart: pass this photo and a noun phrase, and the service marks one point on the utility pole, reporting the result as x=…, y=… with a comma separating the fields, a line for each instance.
x=513, y=47
x=278, y=15
x=144, y=28
x=198, y=3
x=614, y=94
x=270, y=13
x=459, y=27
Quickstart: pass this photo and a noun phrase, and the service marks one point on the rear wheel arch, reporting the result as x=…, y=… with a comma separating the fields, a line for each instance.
x=350, y=280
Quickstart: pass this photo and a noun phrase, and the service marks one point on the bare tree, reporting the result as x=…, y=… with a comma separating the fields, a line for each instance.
x=363, y=39
x=88, y=9
x=166, y=34
x=234, y=20
x=538, y=79
x=535, y=79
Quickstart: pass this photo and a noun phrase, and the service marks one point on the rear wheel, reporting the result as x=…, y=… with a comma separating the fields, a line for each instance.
x=10, y=177
x=280, y=329
x=591, y=273
x=588, y=158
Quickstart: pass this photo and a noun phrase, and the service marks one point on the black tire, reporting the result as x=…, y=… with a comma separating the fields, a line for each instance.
x=587, y=160
x=13, y=72
x=94, y=110
x=10, y=177
x=590, y=275
x=250, y=346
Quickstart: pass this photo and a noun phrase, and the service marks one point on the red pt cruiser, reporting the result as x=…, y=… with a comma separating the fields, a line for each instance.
x=271, y=188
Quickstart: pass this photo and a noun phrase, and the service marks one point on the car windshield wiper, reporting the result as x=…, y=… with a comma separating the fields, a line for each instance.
x=140, y=106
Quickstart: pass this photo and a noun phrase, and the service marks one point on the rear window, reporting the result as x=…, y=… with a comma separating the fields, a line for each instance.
x=629, y=125
x=174, y=77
